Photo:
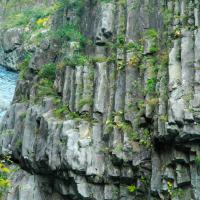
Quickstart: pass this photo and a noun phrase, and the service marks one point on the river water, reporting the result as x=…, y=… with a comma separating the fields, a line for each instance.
x=7, y=88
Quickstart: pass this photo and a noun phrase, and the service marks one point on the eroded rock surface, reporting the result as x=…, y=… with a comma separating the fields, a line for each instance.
x=132, y=126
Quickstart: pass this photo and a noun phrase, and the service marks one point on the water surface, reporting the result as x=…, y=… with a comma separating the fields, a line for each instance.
x=7, y=88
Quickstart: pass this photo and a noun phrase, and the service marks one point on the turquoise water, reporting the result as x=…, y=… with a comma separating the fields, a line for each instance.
x=7, y=88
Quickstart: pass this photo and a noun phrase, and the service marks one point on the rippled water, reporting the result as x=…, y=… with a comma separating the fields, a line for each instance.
x=7, y=88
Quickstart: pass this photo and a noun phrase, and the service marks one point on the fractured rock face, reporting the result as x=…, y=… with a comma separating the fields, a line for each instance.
x=11, y=50
x=12, y=39
x=32, y=187
x=105, y=27
x=130, y=114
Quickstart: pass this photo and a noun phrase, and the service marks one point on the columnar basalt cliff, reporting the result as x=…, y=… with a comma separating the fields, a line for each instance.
x=107, y=105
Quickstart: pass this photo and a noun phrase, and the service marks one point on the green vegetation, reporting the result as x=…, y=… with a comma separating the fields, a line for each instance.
x=132, y=188
x=29, y=16
x=135, y=60
x=151, y=85
x=178, y=193
x=37, y=19
x=167, y=16
x=48, y=71
x=22, y=116
x=163, y=118
x=119, y=148
x=5, y=183
x=23, y=66
x=174, y=192
x=44, y=88
x=145, y=138
x=106, y=1
x=76, y=60
x=151, y=34
x=69, y=32
x=197, y=161
x=61, y=111
x=170, y=187
x=86, y=101
x=142, y=136
x=18, y=143
x=46, y=74
x=76, y=5
x=127, y=128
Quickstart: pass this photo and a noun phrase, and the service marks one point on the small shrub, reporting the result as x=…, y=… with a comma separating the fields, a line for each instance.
x=178, y=193
x=177, y=33
x=153, y=49
x=170, y=187
x=152, y=101
x=132, y=188
x=145, y=138
x=70, y=33
x=23, y=67
x=48, y=71
x=86, y=101
x=22, y=116
x=4, y=181
x=151, y=33
x=44, y=88
x=163, y=118
x=151, y=85
x=42, y=21
x=119, y=148
x=134, y=61
x=75, y=60
x=61, y=111
x=109, y=125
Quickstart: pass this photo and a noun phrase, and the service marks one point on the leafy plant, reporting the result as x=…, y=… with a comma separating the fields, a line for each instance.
x=170, y=187
x=48, y=71
x=76, y=60
x=42, y=21
x=22, y=116
x=151, y=33
x=145, y=138
x=119, y=148
x=86, y=101
x=151, y=84
x=23, y=67
x=197, y=161
x=177, y=193
x=153, y=49
x=69, y=32
x=5, y=183
x=132, y=188
x=61, y=111
x=29, y=15
x=44, y=88
x=134, y=61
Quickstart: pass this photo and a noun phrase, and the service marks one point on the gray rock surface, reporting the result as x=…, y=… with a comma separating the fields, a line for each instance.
x=130, y=128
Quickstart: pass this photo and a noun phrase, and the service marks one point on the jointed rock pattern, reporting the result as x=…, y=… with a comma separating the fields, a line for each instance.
x=132, y=128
